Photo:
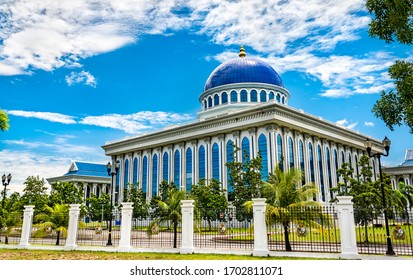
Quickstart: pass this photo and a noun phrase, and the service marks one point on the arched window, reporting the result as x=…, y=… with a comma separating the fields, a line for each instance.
x=201, y=166
x=271, y=95
x=230, y=158
x=135, y=171
x=357, y=166
x=245, y=149
x=205, y=104
x=349, y=161
x=165, y=169
x=263, y=96
x=320, y=166
x=253, y=95
x=311, y=156
x=177, y=169
x=336, y=163
x=188, y=169
x=154, y=175
x=215, y=161
x=244, y=96
x=301, y=155
x=291, y=152
x=280, y=156
x=283, y=100
x=224, y=98
x=209, y=102
x=117, y=183
x=126, y=175
x=343, y=160
x=216, y=100
x=262, y=147
x=234, y=96
x=278, y=98
x=330, y=178
x=145, y=175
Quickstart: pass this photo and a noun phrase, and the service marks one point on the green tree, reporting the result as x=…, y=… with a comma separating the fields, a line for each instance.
x=245, y=177
x=53, y=219
x=210, y=200
x=284, y=194
x=65, y=193
x=345, y=174
x=35, y=193
x=11, y=220
x=95, y=206
x=171, y=212
x=4, y=121
x=140, y=207
x=393, y=22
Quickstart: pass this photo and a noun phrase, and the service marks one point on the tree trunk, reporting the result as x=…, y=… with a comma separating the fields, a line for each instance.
x=175, y=234
x=366, y=233
x=6, y=239
x=58, y=238
x=287, y=238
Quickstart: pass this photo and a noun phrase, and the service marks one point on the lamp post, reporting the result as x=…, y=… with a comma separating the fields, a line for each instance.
x=6, y=181
x=111, y=173
x=386, y=143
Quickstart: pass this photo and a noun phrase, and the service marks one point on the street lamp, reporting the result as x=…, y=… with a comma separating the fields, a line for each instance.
x=6, y=181
x=111, y=173
x=386, y=143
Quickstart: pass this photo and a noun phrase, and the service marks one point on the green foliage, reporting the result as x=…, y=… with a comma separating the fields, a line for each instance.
x=35, y=193
x=395, y=107
x=4, y=121
x=140, y=207
x=95, y=205
x=210, y=199
x=170, y=211
x=65, y=193
x=245, y=177
x=10, y=220
x=52, y=219
x=393, y=21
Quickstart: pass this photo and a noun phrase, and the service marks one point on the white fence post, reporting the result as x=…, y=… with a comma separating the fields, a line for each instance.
x=260, y=228
x=27, y=226
x=347, y=227
x=187, y=208
x=71, y=239
x=126, y=227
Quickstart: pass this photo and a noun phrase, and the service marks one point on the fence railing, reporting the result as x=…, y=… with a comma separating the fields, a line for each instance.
x=371, y=231
x=308, y=229
x=11, y=231
x=226, y=228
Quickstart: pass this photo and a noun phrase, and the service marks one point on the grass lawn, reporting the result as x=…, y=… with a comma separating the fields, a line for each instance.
x=16, y=254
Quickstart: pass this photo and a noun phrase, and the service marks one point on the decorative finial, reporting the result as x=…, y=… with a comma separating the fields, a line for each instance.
x=242, y=52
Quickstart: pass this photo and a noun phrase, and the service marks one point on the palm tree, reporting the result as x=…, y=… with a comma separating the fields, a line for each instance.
x=287, y=202
x=11, y=220
x=56, y=218
x=170, y=212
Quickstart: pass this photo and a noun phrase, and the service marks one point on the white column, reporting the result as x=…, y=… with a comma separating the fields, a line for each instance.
x=27, y=226
x=347, y=227
x=126, y=227
x=260, y=228
x=72, y=229
x=187, y=209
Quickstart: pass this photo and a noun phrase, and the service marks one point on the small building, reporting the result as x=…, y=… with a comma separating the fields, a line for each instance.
x=402, y=173
x=93, y=177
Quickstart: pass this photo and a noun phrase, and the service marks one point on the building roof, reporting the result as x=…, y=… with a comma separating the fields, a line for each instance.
x=80, y=168
x=243, y=70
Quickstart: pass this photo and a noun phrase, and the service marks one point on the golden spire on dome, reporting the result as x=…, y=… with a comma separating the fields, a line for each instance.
x=242, y=52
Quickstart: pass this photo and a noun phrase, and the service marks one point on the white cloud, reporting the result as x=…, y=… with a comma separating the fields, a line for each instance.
x=347, y=124
x=83, y=77
x=53, y=117
x=371, y=124
x=138, y=122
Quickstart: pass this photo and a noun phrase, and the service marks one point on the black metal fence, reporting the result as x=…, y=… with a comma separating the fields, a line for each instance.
x=96, y=233
x=156, y=232
x=371, y=232
x=307, y=229
x=227, y=228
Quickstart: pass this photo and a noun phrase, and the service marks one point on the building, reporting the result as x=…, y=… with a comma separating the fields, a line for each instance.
x=402, y=173
x=92, y=177
x=244, y=102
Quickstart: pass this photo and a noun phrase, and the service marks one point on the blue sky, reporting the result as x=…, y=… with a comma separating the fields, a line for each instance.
x=76, y=74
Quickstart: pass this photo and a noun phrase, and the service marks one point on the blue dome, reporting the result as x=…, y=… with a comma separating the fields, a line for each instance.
x=243, y=70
